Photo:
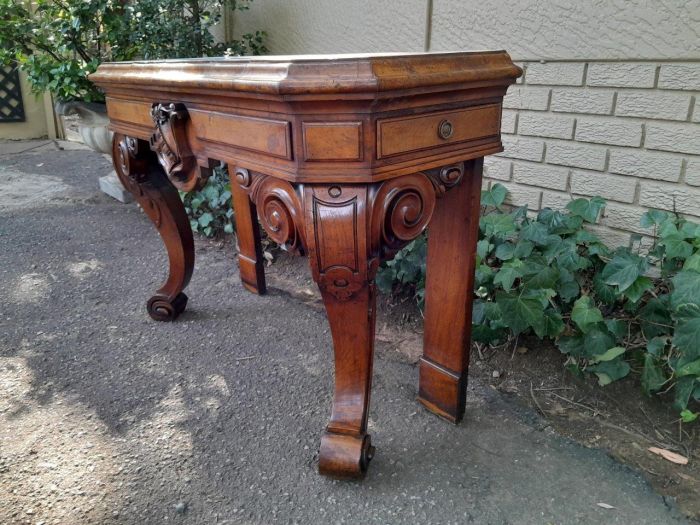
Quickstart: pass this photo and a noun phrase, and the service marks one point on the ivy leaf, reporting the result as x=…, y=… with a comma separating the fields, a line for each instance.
x=494, y=196
x=568, y=290
x=552, y=325
x=585, y=237
x=687, y=337
x=597, y=342
x=689, y=369
x=623, y=270
x=686, y=289
x=655, y=317
x=573, y=345
x=546, y=278
x=692, y=263
x=497, y=224
x=683, y=390
x=483, y=248
x=688, y=417
x=523, y=249
x=588, y=210
x=617, y=327
x=609, y=371
x=676, y=246
x=553, y=219
x=656, y=346
x=505, y=251
x=520, y=313
x=652, y=375
x=385, y=281
x=636, y=290
x=610, y=354
x=508, y=273
x=585, y=315
x=653, y=218
x=535, y=232
x=205, y=219
x=604, y=292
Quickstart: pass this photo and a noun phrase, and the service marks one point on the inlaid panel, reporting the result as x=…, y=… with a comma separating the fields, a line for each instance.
x=262, y=135
x=332, y=141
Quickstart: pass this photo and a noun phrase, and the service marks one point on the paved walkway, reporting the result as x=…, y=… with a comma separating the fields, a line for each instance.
x=109, y=417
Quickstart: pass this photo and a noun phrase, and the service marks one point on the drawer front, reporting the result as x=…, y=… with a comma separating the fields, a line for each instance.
x=271, y=137
x=400, y=135
x=332, y=141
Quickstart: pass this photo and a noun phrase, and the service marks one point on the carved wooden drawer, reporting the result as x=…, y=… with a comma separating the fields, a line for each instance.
x=418, y=132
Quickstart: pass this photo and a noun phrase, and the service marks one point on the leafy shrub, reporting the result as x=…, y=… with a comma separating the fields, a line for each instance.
x=210, y=209
x=606, y=310
x=58, y=44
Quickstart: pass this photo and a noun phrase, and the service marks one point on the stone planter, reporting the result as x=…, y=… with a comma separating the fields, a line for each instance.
x=93, y=126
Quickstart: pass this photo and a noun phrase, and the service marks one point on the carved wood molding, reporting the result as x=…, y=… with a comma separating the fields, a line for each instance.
x=170, y=143
x=347, y=229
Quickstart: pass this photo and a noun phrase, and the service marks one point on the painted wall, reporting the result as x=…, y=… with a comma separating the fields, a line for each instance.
x=38, y=121
x=609, y=103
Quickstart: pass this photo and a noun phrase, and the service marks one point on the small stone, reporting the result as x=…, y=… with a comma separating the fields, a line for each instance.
x=495, y=374
x=180, y=507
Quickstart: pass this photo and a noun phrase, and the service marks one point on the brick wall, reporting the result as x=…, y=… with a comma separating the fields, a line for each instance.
x=627, y=131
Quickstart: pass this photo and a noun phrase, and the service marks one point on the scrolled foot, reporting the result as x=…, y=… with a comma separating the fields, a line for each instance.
x=344, y=456
x=161, y=308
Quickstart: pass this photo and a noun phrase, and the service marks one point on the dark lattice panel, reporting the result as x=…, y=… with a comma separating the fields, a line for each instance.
x=11, y=107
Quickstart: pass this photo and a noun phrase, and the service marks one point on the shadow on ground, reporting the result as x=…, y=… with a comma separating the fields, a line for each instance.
x=109, y=417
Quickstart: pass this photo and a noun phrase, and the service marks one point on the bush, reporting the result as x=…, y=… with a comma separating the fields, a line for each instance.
x=609, y=311
x=58, y=44
x=210, y=209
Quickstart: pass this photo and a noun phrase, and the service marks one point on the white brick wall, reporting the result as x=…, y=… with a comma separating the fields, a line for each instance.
x=627, y=131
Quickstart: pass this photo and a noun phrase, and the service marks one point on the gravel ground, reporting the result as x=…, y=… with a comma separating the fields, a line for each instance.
x=109, y=417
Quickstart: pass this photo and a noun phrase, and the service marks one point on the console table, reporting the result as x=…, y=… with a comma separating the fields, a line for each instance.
x=344, y=158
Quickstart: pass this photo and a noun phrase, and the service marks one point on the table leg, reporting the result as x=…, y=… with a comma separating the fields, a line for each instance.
x=138, y=169
x=250, y=259
x=346, y=230
x=336, y=222
x=449, y=285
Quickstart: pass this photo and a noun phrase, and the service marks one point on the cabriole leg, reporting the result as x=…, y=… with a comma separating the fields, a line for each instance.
x=449, y=287
x=138, y=169
x=336, y=233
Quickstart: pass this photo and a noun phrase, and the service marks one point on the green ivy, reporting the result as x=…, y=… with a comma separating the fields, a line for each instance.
x=610, y=311
x=210, y=209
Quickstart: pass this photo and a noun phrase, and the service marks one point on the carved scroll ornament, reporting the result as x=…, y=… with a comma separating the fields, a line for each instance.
x=279, y=208
x=170, y=143
x=396, y=211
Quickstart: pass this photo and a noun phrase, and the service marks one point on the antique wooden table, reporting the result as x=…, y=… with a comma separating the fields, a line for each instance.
x=345, y=158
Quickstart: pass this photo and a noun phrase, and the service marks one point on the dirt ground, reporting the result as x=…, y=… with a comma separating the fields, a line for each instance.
x=616, y=418
x=109, y=417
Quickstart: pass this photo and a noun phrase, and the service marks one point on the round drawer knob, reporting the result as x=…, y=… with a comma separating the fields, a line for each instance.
x=445, y=129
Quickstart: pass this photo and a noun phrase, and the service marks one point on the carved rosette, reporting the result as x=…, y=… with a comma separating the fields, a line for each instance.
x=446, y=177
x=130, y=167
x=170, y=143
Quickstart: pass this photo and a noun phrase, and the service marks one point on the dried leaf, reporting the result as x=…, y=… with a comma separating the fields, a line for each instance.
x=669, y=456
x=605, y=505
